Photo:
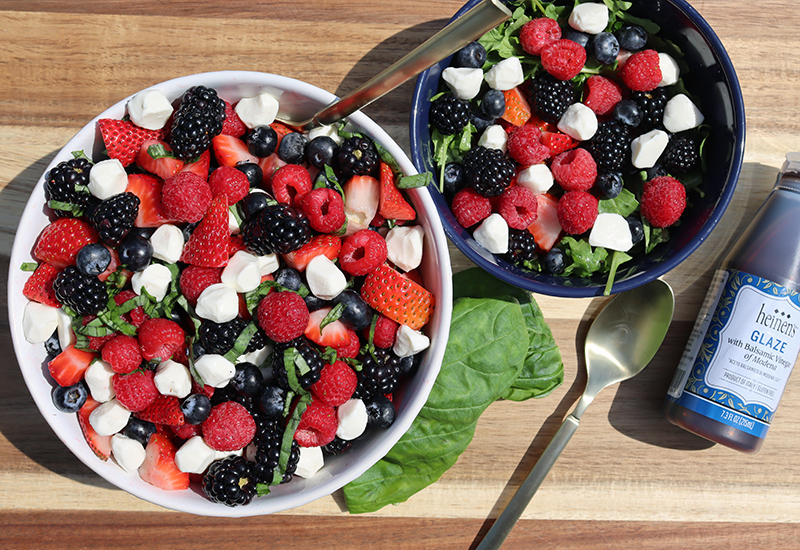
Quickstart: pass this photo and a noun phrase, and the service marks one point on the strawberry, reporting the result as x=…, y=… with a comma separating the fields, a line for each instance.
x=546, y=229
x=156, y=157
x=59, y=242
x=39, y=287
x=557, y=142
x=334, y=334
x=361, y=200
x=269, y=165
x=148, y=189
x=208, y=245
x=392, y=205
x=518, y=110
x=233, y=125
x=165, y=409
x=230, y=151
x=123, y=139
x=100, y=444
x=67, y=367
x=397, y=297
x=200, y=166
x=159, y=467
x=329, y=245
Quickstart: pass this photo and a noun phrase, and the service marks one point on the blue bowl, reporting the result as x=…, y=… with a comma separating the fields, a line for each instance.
x=710, y=77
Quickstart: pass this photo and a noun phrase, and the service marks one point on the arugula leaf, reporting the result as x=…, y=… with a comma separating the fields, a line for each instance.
x=623, y=204
x=617, y=258
x=412, y=182
x=585, y=260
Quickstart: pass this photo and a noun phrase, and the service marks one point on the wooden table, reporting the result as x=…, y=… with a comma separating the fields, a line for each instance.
x=627, y=480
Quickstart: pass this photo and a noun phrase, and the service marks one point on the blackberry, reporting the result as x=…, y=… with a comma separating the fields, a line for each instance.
x=610, y=146
x=268, y=441
x=449, y=115
x=307, y=372
x=488, y=171
x=85, y=294
x=357, y=156
x=336, y=447
x=522, y=249
x=197, y=121
x=114, y=217
x=378, y=375
x=219, y=338
x=60, y=187
x=651, y=104
x=681, y=155
x=277, y=229
x=229, y=393
x=550, y=97
x=230, y=481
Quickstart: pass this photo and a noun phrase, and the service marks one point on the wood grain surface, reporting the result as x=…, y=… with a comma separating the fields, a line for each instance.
x=628, y=479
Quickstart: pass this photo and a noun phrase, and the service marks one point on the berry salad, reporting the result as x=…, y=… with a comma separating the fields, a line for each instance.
x=564, y=139
x=225, y=301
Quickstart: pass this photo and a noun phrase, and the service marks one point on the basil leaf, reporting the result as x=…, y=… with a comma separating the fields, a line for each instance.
x=29, y=266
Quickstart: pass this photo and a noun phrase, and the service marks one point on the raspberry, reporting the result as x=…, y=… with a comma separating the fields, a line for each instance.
x=642, y=71
x=187, y=431
x=525, y=147
x=122, y=353
x=577, y=212
x=317, y=425
x=195, y=279
x=233, y=125
x=336, y=384
x=325, y=210
x=290, y=184
x=362, y=252
x=385, y=331
x=185, y=197
x=519, y=207
x=230, y=182
x=135, y=391
x=537, y=33
x=663, y=201
x=351, y=348
x=283, y=316
x=574, y=170
x=229, y=427
x=563, y=58
x=136, y=316
x=601, y=94
x=160, y=338
x=470, y=208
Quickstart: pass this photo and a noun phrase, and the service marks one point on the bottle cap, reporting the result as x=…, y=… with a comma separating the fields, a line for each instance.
x=789, y=176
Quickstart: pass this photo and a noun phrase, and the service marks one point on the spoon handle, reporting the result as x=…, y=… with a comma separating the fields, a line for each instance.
x=508, y=518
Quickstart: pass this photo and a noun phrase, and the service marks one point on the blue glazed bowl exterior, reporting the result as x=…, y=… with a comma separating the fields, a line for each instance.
x=711, y=78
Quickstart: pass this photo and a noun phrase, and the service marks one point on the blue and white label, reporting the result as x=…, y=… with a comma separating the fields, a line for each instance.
x=741, y=352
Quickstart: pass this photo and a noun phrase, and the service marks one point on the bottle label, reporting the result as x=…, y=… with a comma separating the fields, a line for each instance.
x=738, y=359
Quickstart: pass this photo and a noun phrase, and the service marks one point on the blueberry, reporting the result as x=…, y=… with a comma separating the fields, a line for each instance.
x=247, y=380
x=93, y=259
x=656, y=172
x=493, y=103
x=292, y=149
x=313, y=303
x=145, y=232
x=479, y=120
x=272, y=401
x=262, y=141
x=555, y=261
x=472, y=56
x=576, y=36
x=290, y=278
x=70, y=399
x=52, y=346
x=135, y=252
x=605, y=48
x=380, y=412
x=609, y=185
x=253, y=172
x=356, y=313
x=406, y=365
x=637, y=229
x=632, y=38
x=139, y=430
x=198, y=350
x=320, y=151
x=196, y=408
x=628, y=112
x=454, y=179
x=253, y=204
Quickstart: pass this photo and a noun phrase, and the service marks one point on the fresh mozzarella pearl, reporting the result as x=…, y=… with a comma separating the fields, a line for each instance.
x=578, y=121
x=326, y=130
x=127, y=452
x=670, y=72
x=409, y=341
x=107, y=178
x=172, y=378
x=325, y=280
x=149, y=109
x=99, y=378
x=494, y=137
x=591, y=18
x=257, y=357
x=167, y=243
x=268, y=264
x=109, y=417
x=155, y=279
x=218, y=303
x=39, y=321
x=215, y=370
x=66, y=336
x=537, y=178
x=194, y=456
x=611, y=231
x=352, y=417
x=311, y=460
x=259, y=110
x=492, y=234
x=404, y=246
x=242, y=273
x=219, y=455
x=505, y=75
x=464, y=82
x=646, y=148
x=681, y=114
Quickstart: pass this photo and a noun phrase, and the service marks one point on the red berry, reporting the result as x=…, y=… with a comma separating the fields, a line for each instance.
x=537, y=33
x=229, y=427
x=186, y=197
x=39, y=287
x=283, y=316
x=642, y=71
x=519, y=207
x=135, y=391
x=601, y=94
x=574, y=170
x=663, y=201
x=187, y=431
x=60, y=242
x=317, y=425
x=136, y=316
x=208, y=244
x=334, y=334
x=577, y=212
x=160, y=338
x=96, y=342
x=325, y=210
x=230, y=182
x=336, y=384
x=290, y=184
x=351, y=347
x=470, y=207
x=362, y=252
x=525, y=146
x=563, y=59
x=122, y=353
x=195, y=279
x=233, y=125
x=165, y=409
x=385, y=332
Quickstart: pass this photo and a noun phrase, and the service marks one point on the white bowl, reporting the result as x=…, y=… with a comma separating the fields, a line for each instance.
x=298, y=100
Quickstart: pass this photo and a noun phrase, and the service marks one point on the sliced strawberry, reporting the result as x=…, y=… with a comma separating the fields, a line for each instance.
x=392, y=205
x=281, y=130
x=39, y=286
x=361, y=200
x=156, y=157
x=230, y=151
x=209, y=243
x=59, y=242
x=334, y=334
x=148, y=189
x=99, y=444
x=328, y=245
x=518, y=110
x=546, y=229
x=269, y=165
x=557, y=142
x=123, y=139
x=67, y=367
x=166, y=409
x=159, y=466
x=201, y=166
x=397, y=297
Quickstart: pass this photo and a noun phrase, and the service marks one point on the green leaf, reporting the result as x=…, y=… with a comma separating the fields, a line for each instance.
x=412, y=182
x=158, y=151
x=29, y=266
x=624, y=204
x=242, y=341
x=584, y=259
x=333, y=315
x=617, y=258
